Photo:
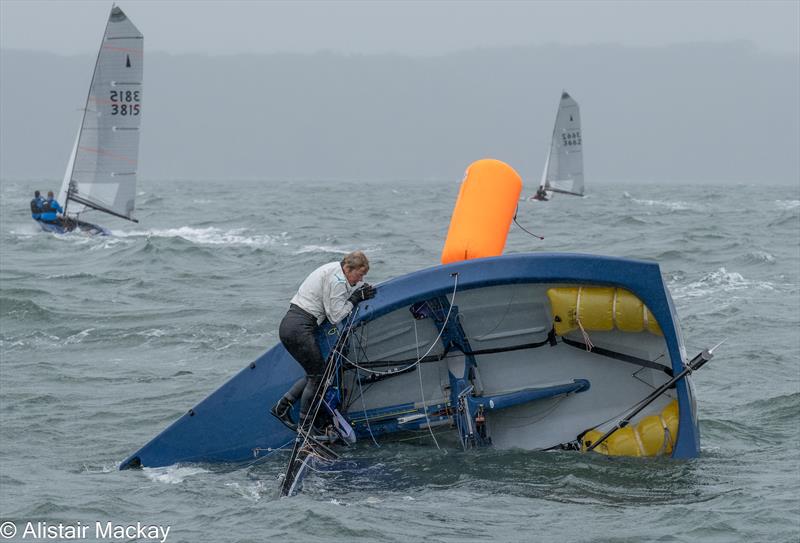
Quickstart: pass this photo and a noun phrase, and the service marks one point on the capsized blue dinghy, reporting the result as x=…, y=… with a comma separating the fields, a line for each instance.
x=532, y=351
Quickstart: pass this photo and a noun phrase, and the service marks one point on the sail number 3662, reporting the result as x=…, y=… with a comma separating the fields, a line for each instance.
x=125, y=102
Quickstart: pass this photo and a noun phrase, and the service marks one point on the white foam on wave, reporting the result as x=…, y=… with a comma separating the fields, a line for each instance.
x=94, y=242
x=25, y=230
x=213, y=236
x=78, y=275
x=106, y=243
x=172, y=475
x=152, y=332
x=720, y=280
x=105, y=468
x=77, y=338
x=320, y=249
x=34, y=339
x=77, y=238
x=787, y=204
x=673, y=206
x=250, y=492
x=336, y=250
x=761, y=256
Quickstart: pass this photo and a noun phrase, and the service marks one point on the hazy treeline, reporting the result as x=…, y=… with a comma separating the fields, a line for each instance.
x=692, y=112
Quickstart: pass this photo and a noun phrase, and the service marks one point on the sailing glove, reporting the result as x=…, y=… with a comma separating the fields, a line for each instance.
x=364, y=292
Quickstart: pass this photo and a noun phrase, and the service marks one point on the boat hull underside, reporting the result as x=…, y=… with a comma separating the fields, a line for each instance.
x=507, y=331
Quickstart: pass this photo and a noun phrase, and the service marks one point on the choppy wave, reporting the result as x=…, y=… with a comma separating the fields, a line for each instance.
x=787, y=204
x=104, y=342
x=104, y=468
x=213, y=236
x=717, y=281
x=760, y=257
x=789, y=215
x=77, y=338
x=25, y=230
x=677, y=205
x=23, y=309
x=779, y=409
x=337, y=250
x=630, y=220
x=252, y=491
x=322, y=249
x=172, y=475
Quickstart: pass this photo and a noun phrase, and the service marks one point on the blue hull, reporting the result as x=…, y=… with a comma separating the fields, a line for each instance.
x=71, y=226
x=233, y=424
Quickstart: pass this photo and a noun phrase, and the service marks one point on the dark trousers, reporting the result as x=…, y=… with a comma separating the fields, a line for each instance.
x=298, y=334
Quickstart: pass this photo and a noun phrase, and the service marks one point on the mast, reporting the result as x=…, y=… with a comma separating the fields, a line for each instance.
x=546, y=173
x=543, y=182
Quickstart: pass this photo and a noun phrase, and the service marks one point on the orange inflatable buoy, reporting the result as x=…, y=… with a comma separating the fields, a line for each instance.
x=484, y=210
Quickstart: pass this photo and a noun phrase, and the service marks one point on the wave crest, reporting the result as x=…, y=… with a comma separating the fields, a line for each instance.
x=213, y=236
x=720, y=280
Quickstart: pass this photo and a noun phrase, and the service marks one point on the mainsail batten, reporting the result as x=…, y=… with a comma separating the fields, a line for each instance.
x=101, y=173
x=563, y=171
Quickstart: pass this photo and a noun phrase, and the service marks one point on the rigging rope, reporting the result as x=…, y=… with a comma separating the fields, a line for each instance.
x=410, y=366
x=303, y=427
x=586, y=339
x=419, y=372
x=523, y=228
x=337, y=354
x=419, y=358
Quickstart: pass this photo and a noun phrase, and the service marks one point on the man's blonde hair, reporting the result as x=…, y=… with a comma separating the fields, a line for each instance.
x=355, y=260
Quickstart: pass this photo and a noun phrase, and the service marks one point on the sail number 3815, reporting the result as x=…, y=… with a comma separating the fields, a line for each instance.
x=124, y=102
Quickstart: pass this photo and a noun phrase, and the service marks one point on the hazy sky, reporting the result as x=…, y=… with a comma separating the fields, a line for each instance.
x=412, y=28
x=674, y=90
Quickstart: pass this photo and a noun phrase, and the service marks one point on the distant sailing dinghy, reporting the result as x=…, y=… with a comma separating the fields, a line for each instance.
x=101, y=173
x=563, y=169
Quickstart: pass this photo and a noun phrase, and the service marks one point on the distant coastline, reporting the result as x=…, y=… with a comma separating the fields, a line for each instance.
x=717, y=112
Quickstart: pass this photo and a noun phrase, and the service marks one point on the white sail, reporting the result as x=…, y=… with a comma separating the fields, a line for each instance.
x=101, y=173
x=62, y=194
x=564, y=167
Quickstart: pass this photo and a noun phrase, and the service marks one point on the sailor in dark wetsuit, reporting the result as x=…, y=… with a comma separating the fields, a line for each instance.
x=36, y=206
x=330, y=292
x=541, y=194
x=50, y=209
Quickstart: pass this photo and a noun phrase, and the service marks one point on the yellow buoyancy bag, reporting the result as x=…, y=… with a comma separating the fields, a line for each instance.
x=599, y=309
x=654, y=435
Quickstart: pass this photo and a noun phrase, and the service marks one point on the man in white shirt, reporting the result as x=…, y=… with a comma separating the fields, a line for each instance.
x=330, y=292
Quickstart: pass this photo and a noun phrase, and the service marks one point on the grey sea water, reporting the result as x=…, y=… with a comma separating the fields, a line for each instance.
x=105, y=341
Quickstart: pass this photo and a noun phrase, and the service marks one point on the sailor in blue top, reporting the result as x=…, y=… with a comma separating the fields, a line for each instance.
x=331, y=292
x=36, y=205
x=50, y=209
